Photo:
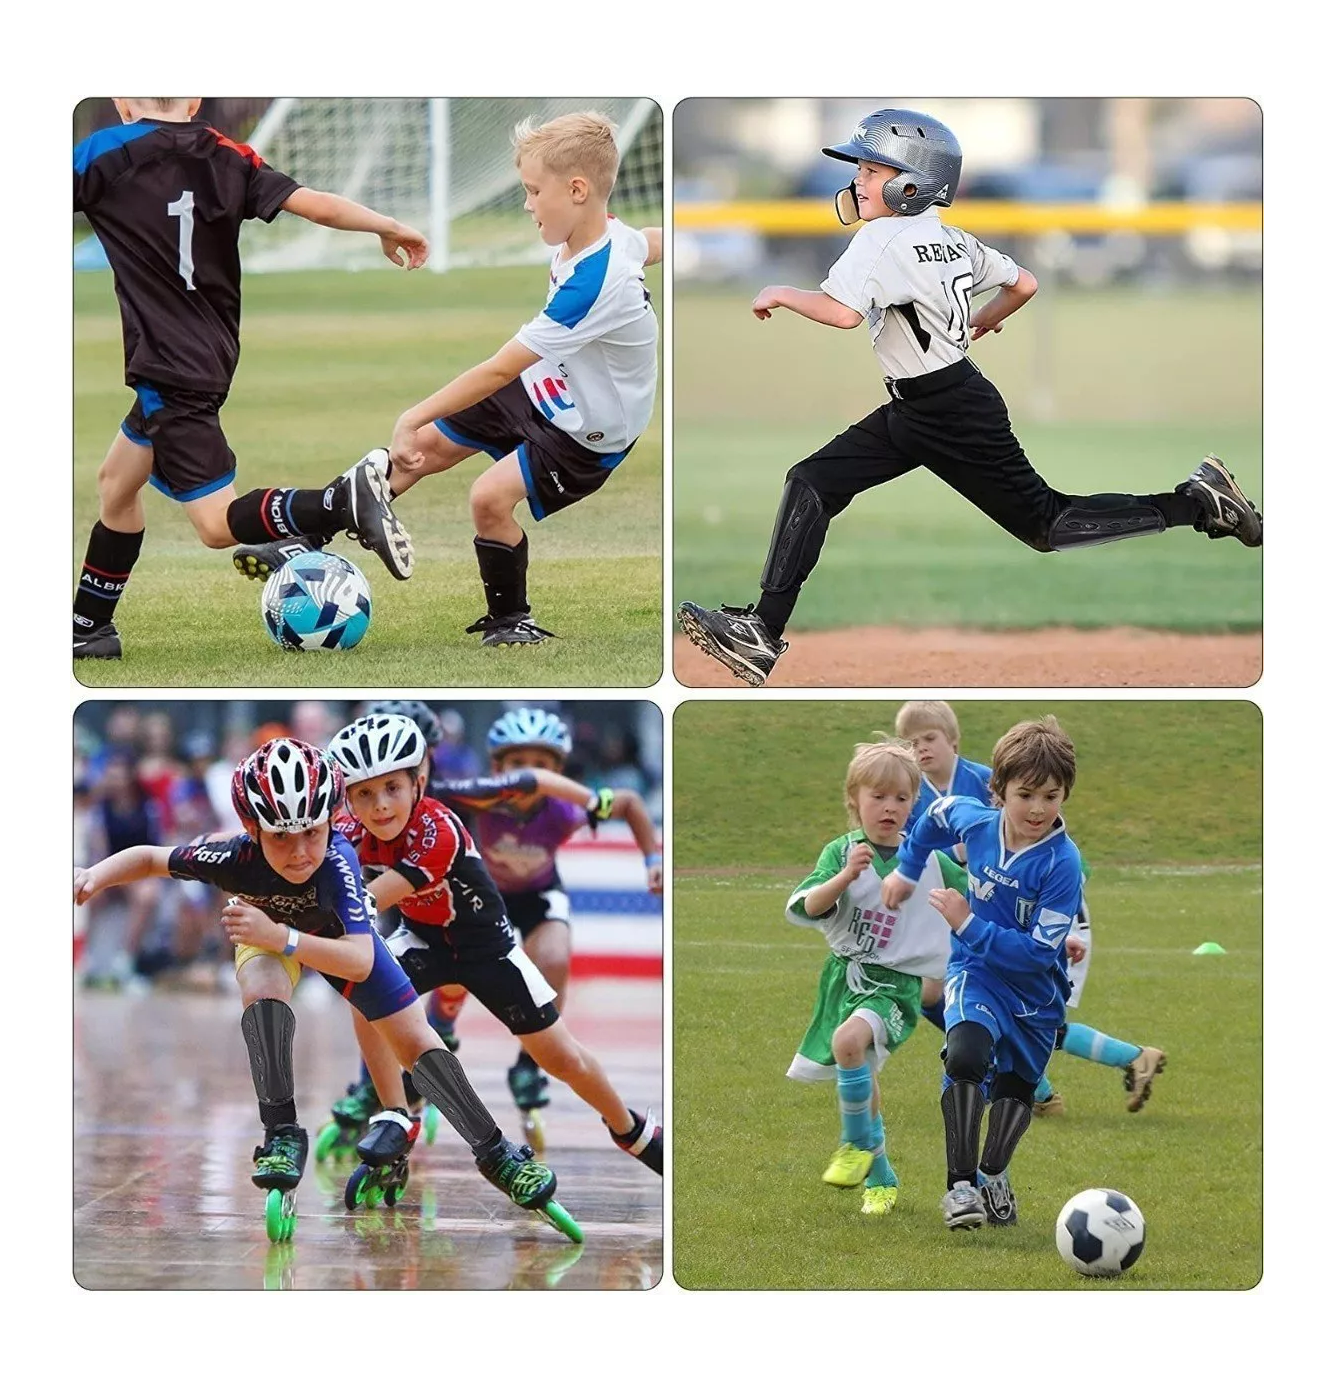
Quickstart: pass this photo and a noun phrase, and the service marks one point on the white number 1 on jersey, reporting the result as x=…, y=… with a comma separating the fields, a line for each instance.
x=184, y=207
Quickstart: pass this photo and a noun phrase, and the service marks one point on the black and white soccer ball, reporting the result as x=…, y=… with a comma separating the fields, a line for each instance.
x=1100, y=1233
x=316, y=600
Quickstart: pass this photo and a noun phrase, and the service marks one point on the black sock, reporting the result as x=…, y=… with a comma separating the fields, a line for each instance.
x=262, y=515
x=525, y=1061
x=277, y=1115
x=774, y=609
x=111, y=558
x=502, y=570
x=1179, y=510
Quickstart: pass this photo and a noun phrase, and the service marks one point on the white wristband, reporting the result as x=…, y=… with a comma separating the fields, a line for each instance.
x=291, y=944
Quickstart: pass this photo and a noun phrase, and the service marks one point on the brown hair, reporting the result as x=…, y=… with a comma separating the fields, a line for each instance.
x=580, y=145
x=1033, y=753
x=880, y=765
x=917, y=716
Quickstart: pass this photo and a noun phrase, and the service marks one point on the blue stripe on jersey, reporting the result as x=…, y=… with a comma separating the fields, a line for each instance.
x=199, y=492
x=572, y=302
x=104, y=141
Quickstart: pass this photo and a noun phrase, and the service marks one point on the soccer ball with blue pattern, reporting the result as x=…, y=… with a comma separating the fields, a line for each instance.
x=1100, y=1233
x=316, y=600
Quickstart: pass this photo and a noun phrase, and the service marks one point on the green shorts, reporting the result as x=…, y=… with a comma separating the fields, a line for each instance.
x=890, y=1005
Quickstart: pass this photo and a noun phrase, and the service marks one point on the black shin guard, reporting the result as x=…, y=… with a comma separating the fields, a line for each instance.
x=1009, y=1119
x=502, y=570
x=442, y=1079
x=963, y=1106
x=268, y=1025
x=1097, y=518
x=796, y=540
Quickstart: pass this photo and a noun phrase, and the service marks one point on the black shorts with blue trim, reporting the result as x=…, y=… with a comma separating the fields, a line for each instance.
x=191, y=456
x=558, y=470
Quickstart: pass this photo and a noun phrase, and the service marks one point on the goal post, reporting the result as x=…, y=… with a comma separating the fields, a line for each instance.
x=442, y=164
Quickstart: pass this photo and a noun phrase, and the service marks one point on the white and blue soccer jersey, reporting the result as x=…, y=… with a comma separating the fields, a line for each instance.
x=598, y=337
x=1024, y=902
x=968, y=780
x=912, y=279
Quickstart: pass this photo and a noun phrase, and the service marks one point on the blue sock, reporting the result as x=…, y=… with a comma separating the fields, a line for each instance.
x=933, y=1012
x=1043, y=1090
x=881, y=1172
x=1090, y=1044
x=854, y=1091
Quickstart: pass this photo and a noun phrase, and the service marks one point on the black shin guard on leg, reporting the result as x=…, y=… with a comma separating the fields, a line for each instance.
x=796, y=543
x=502, y=570
x=963, y=1106
x=1088, y=520
x=442, y=1079
x=268, y=1025
x=1009, y=1119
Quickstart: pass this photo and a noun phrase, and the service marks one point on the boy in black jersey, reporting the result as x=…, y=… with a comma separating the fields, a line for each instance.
x=167, y=196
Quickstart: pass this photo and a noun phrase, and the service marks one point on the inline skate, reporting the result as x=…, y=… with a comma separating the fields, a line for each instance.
x=349, y=1118
x=384, y=1150
x=527, y=1183
x=278, y=1169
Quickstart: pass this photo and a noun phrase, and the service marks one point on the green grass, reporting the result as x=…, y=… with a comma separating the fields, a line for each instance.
x=328, y=362
x=1175, y=850
x=1140, y=387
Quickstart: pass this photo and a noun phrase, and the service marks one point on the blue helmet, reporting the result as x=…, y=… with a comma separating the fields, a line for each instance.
x=529, y=727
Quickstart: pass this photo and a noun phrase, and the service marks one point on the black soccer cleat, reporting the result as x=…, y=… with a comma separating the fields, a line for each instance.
x=734, y=636
x=102, y=642
x=370, y=518
x=1000, y=1202
x=500, y=630
x=260, y=562
x=1226, y=511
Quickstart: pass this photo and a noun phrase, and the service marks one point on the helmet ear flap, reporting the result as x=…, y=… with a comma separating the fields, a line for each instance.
x=847, y=208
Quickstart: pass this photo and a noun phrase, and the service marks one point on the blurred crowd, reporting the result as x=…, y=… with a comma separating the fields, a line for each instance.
x=161, y=774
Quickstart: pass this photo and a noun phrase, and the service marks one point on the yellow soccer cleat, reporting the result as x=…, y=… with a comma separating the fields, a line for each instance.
x=879, y=1199
x=848, y=1166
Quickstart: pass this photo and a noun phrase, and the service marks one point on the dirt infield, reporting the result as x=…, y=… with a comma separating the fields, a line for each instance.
x=970, y=658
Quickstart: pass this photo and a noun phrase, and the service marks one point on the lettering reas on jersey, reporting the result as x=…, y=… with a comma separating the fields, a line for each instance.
x=942, y=254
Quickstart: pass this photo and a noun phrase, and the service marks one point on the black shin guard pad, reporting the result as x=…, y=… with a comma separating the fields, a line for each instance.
x=502, y=570
x=1101, y=518
x=963, y=1106
x=796, y=541
x=968, y=1052
x=1009, y=1119
x=442, y=1079
x=268, y=1025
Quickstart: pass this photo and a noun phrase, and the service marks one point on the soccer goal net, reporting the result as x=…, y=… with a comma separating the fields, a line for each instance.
x=442, y=164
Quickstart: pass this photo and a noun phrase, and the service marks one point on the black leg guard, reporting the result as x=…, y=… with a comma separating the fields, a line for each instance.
x=963, y=1106
x=968, y=1052
x=1009, y=1119
x=1097, y=518
x=442, y=1079
x=502, y=570
x=796, y=541
x=267, y=1028
x=411, y=1094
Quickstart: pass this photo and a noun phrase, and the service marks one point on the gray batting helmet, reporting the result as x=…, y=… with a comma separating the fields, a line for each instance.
x=924, y=150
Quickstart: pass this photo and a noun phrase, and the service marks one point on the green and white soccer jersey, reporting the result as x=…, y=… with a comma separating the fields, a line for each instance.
x=878, y=957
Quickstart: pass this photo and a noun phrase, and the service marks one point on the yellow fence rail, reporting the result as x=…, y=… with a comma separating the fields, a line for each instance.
x=817, y=217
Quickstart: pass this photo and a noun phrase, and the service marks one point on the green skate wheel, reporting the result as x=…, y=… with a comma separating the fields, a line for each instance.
x=327, y=1140
x=355, y=1192
x=280, y=1215
x=562, y=1221
x=431, y=1120
x=375, y=1193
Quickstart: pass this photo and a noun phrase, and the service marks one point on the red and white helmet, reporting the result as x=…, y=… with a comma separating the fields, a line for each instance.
x=286, y=785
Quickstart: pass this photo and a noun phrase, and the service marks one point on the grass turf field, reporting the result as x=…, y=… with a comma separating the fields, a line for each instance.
x=1175, y=853
x=329, y=360
x=1141, y=386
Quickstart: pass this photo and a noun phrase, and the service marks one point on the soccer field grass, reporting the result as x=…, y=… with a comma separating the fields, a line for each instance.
x=1107, y=391
x=329, y=360
x=1173, y=835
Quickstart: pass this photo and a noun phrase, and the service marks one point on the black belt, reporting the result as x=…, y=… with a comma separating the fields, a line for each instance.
x=922, y=385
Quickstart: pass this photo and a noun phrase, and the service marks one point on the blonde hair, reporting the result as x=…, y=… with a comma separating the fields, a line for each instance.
x=580, y=145
x=881, y=765
x=1033, y=753
x=917, y=716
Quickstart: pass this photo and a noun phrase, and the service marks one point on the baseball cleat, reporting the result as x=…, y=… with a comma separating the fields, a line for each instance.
x=1139, y=1074
x=501, y=630
x=100, y=642
x=371, y=520
x=735, y=636
x=1227, y=512
x=259, y=562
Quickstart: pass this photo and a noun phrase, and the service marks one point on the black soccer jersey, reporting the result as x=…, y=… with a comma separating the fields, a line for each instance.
x=167, y=200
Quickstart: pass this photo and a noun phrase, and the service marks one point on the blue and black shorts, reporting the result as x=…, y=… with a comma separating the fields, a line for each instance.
x=191, y=456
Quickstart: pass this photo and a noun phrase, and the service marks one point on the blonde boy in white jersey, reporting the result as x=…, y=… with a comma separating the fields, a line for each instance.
x=911, y=279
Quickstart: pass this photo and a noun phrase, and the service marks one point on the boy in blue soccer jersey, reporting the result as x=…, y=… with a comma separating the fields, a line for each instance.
x=931, y=728
x=1007, y=979
x=301, y=901
x=560, y=405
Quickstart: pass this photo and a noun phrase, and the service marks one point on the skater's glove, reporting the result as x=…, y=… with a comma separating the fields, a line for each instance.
x=599, y=807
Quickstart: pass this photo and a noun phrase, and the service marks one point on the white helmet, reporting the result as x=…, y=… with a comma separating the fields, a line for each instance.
x=378, y=744
x=286, y=785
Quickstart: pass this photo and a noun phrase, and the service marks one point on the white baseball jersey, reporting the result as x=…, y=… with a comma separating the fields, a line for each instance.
x=912, y=277
x=597, y=336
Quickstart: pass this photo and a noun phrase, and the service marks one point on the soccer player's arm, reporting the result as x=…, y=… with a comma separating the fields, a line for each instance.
x=126, y=866
x=817, y=897
x=401, y=244
x=654, y=238
x=471, y=387
x=940, y=828
x=1041, y=945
